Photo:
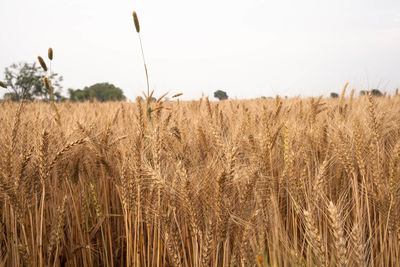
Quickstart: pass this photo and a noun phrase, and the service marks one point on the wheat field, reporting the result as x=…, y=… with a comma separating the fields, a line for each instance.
x=267, y=182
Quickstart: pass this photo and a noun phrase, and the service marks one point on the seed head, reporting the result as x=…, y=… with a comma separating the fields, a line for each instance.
x=50, y=53
x=3, y=84
x=46, y=83
x=136, y=21
x=42, y=63
x=179, y=94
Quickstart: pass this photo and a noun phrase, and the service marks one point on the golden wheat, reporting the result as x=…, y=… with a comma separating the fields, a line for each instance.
x=201, y=183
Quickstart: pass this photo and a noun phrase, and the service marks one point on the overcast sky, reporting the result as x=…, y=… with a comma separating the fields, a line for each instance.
x=248, y=48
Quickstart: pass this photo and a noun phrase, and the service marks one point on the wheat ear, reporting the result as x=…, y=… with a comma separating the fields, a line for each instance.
x=338, y=235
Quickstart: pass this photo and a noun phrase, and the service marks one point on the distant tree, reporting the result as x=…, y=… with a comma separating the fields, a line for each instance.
x=221, y=95
x=100, y=91
x=25, y=80
x=334, y=95
x=363, y=92
x=79, y=95
x=107, y=92
x=376, y=92
x=11, y=96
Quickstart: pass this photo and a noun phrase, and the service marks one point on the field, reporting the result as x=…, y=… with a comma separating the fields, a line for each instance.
x=267, y=182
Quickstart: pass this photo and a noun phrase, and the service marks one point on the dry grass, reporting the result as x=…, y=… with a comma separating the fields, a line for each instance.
x=236, y=183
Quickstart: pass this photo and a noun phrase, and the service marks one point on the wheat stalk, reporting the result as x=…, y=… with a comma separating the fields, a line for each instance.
x=137, y=26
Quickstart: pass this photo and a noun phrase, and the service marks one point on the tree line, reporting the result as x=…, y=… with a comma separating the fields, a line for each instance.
x=374, y=92
x=25, y=81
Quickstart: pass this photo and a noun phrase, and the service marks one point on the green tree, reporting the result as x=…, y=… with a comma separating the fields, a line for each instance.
x=221, y=95
x=100, y=91
x=25, y=81
x=376, y=92
x=334, y=95
x=79, y=95
x=10, y=96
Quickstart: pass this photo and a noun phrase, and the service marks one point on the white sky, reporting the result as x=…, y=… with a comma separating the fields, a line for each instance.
x=247, y=48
